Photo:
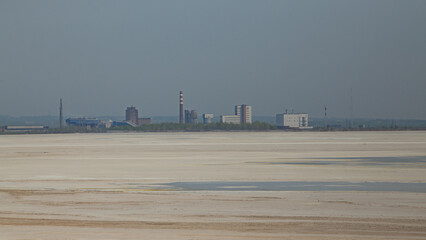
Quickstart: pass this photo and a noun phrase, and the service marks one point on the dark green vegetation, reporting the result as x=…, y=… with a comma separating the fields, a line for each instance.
x=368, y=123
x=161, y=127
x=164, y=124
x=256, y=126
x=51, y=121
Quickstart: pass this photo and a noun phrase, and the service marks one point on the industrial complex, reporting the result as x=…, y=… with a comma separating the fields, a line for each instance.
x=131, y=119
x=243, y=114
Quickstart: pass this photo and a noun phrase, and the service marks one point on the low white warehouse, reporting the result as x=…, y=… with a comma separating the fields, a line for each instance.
x=292, y=120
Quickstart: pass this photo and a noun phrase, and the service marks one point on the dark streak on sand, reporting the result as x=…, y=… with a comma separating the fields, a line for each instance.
x=289, y=186
x=409, y=161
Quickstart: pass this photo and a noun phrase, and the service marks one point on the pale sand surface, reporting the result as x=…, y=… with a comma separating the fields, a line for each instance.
x=109, y=186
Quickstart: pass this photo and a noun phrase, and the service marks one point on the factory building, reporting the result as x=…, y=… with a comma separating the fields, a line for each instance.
x=292, y=120
x=187, y=116
x=122, y=124
x=83, y=122
x=143, y=121
x=194, y=117
x=207, y=118
x=23, y=128
x=243, y=114
x=133, y=118
x=230, y=119
x=191, y=117
x=132, y=115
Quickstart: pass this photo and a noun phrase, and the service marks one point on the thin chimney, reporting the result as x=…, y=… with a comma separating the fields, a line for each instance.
x=181, y=107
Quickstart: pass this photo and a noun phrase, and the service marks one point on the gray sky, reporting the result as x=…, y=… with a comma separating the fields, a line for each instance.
x=102, y=56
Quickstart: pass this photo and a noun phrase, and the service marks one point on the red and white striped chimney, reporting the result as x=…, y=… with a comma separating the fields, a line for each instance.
x=181, y=108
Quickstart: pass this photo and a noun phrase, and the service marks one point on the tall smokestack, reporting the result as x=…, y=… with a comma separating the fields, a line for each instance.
x=181, y=107
x=325, y=116
x=61, y=116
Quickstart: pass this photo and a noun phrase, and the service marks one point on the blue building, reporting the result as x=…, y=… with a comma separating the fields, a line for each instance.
x=83, y=122
x=122, y=123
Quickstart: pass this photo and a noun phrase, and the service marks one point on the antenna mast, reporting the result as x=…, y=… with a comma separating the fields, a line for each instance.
x=61, y=116
x=325, y=116
x=352, y=111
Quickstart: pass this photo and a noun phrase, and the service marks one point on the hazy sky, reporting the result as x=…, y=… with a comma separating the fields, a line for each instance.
x=102, y=56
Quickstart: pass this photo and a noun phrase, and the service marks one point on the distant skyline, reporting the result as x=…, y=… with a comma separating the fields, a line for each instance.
x=103, y=56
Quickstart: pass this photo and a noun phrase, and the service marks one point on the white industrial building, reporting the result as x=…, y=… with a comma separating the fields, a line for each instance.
x=292, y=120
x=207, y=118
x=242, y=115
x=230, y=119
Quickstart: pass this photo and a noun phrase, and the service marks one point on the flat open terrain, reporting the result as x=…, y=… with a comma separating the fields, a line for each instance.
x=219, y=185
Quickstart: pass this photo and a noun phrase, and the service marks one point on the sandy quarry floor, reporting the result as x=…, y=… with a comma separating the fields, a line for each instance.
x=123, y=186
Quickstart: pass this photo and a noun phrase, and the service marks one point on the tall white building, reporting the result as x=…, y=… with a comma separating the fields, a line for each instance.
x=243, y=114
x=292, y=120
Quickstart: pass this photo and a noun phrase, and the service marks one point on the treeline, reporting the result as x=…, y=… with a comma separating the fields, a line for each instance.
x=76, y=129
x=164, y=127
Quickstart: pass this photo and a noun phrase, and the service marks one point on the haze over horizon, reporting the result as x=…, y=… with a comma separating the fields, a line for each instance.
x=102, y=56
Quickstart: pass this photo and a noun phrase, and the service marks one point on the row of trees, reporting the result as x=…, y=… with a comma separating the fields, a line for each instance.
x=163, y=127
